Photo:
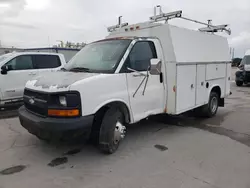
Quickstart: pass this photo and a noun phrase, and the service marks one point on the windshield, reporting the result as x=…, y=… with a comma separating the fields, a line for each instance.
x=3, y=57
x=246, y=60
x=102, y=56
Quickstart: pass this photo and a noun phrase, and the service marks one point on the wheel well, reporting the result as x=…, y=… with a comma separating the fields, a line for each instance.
x=217, y=90
x=123, y=107
x=100, y=113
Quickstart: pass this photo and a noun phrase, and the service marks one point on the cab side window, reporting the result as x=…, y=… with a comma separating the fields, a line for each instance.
x=140, y=55
x=46, y=61
x=23, y=62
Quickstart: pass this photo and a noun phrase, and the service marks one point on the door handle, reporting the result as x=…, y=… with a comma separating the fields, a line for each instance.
x=32, y=73
x=192, y=86
x=137, y=75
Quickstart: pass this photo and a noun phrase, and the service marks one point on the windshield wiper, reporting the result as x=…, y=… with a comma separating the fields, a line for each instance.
x=63, y=69
x=80, y=69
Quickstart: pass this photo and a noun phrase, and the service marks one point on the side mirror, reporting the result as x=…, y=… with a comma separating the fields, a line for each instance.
x=5, y=69
x=155, y=66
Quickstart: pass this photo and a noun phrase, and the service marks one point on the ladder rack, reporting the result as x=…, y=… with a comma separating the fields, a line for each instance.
x=176, y=14
x=119, y=25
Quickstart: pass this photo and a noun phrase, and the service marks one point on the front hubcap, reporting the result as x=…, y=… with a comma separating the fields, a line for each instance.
x=119, y=133
x=214, y=104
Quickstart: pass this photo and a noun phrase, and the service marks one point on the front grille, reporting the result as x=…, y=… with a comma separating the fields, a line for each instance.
x=247, y=75
x=36, y=102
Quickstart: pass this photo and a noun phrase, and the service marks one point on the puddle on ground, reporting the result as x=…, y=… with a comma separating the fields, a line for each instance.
x=72, y=152
x=201, y=123
x=240, y=137
x=12, y=170
x=58, y=161
x=161, y=147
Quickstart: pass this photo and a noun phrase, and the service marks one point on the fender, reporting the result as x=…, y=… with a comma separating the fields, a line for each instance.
x=116, y=100
x=211, y=87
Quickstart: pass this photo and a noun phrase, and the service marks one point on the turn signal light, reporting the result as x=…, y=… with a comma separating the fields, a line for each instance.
x=63, y=113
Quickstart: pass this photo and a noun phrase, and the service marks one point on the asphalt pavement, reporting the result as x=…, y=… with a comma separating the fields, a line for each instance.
x=163, y=151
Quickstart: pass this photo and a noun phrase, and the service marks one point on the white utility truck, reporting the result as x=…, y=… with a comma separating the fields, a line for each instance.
x=19, y=67
x=139, y=70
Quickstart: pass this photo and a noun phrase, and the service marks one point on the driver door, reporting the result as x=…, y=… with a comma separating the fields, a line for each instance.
x=13, y=83
x=146, y=91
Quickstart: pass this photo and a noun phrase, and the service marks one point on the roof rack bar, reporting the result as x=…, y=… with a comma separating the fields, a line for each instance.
x=210, y=28
x=166, y=16
x=178, y=14
x=119, y=25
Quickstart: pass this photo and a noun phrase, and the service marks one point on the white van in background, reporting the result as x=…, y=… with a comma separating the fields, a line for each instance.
x=139, y=70
x=242, y=75
x=19, y=67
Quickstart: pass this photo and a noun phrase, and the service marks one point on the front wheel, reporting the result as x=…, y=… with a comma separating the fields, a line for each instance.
x=112, y=130
x=239, y=83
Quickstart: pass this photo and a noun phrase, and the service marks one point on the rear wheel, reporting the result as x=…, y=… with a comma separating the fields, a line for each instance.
x=210, y=109
x=239, y=83
x=112, y=130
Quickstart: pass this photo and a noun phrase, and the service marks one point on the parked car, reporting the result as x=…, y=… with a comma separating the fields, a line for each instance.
x=242, y=76
x=19, y=67
x=139, y=70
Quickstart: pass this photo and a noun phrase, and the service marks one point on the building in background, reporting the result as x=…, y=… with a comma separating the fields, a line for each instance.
x=8, y=50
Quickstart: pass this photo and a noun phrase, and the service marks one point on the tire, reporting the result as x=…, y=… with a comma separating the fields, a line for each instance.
x=210, y=109
x=112, y=130
x=239, y=83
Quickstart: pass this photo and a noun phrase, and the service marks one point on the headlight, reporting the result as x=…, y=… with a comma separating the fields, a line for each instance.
x=241, y=67
x=67, y=104
x=63, y=100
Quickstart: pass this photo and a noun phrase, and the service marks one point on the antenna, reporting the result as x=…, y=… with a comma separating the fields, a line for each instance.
x=209, y=22
x=119, y=25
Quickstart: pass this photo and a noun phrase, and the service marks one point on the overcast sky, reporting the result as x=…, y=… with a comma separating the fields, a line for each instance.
x=40, y=23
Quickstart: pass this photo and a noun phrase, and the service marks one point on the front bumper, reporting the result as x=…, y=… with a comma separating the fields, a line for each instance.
x=47, y=127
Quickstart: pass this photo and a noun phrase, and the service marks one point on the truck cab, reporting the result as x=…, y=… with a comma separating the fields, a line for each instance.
x=19, y=67
x=137, y=71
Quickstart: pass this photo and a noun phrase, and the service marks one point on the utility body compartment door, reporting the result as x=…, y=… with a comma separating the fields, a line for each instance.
x=201, y=95
x=185, y=88
x=215, y=71
x=228, y=79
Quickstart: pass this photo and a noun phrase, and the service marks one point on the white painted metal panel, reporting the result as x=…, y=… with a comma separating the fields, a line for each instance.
x=228, y=79
x=201, y=97
x=214, y=71
x=186, y=79
x=194, y=46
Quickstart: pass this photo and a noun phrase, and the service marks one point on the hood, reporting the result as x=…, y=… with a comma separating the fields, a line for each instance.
x=58, y=80
x=247, y=67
